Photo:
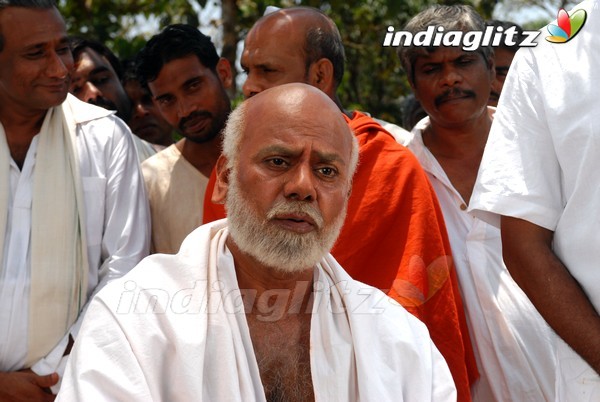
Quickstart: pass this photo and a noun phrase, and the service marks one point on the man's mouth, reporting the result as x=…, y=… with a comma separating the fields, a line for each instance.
x=194, y=123
x=296, y=223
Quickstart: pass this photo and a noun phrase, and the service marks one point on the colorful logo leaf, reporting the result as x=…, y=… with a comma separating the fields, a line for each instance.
x=568, y=26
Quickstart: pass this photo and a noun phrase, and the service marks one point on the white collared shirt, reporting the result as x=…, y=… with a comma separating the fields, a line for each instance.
x=513, y=345
x=117, y=224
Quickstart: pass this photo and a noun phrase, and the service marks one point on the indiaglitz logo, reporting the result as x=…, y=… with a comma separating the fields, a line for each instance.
x=568, y=26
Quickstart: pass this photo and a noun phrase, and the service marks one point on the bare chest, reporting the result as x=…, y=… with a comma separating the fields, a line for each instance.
x=282, y=350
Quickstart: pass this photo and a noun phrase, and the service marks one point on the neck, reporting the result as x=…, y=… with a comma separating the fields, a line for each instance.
x=20, y=128
x=291, y=291
x=202, y=156
x=458, y=141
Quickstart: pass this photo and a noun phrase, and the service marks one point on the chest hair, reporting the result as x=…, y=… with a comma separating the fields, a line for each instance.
x=282, y=350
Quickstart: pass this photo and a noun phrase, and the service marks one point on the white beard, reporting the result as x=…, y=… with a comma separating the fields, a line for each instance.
x=271, y=245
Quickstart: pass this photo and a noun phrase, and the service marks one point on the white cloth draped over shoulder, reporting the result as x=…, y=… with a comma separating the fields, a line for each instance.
x=59, y=265
x=74, y=217
x=174, y=329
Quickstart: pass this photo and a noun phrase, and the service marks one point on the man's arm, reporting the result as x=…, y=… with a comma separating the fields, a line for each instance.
x=527, y=251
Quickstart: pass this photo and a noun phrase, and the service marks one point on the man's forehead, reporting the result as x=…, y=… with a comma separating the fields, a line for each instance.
x=275, y=30
x=443, y=53
x=44, y=25
x=90, y=59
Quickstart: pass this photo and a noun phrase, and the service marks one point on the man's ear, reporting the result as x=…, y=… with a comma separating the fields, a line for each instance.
x=320, y=75
x=222, y=183
x=224, y=72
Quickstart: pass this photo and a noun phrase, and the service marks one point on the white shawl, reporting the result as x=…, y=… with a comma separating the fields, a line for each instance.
x=59, y=263
x=173, y=329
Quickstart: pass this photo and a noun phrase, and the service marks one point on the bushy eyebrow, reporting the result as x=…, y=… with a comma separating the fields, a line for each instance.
x=326, y=157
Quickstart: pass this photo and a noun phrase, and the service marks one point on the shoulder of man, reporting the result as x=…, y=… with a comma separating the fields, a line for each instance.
x=84, y=112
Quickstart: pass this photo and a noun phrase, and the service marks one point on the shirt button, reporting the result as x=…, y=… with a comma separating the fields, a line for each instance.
x=463, y=207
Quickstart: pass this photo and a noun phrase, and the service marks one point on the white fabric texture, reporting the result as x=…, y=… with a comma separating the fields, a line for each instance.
x=59, y=265
x=176, y=192
x=116, y=219
x=513, y=345
x=541, y=162
x=174, y=329
x=143, y=148
x=401, y=135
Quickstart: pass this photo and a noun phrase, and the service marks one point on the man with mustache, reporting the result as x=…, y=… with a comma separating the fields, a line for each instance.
x=73, y=212
x=97, y=80
x=512, y=343
x=286, y=181
x=188, y=81
x=394, y=236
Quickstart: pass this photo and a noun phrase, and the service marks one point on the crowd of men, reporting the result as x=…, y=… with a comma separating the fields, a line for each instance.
x=300, y=250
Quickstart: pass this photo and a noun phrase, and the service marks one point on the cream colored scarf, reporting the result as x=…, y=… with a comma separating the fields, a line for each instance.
x=59, y=264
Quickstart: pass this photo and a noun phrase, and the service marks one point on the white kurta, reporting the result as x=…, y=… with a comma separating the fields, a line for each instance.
x=513, y=344
x=541, y=165
x=176, y=192
x=174, y=329
x=117, y=226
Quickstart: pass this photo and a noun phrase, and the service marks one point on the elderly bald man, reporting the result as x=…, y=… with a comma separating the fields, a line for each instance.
x=254, y=307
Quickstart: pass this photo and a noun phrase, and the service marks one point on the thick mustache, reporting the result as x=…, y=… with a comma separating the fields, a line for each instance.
x=192, y=116
x=452, y=93
x=298, y=208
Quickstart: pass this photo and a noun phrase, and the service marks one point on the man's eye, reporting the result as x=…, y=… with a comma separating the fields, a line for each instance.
x=327, y=171
x=429, y=70
x=35, y=55
x=277, y=162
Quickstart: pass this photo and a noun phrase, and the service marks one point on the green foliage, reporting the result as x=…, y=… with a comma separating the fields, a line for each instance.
x=374, y=80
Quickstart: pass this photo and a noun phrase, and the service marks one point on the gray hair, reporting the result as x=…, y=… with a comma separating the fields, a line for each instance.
x=236, y=125
x=25, y=4
x=451, y=18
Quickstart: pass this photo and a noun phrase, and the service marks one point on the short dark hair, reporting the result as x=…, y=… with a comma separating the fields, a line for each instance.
x=79, y=44
x=175, y=42
x=25, y=4
x=324, y=41
x=456, y=17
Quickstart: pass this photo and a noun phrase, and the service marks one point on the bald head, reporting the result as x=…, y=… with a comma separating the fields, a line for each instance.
x=284, y=107
x=290, y=45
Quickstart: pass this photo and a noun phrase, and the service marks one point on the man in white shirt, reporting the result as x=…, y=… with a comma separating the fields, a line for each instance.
x=254, y=308
x=188, y=81
x=73, y=213
x=539, y=174
x=512, y=343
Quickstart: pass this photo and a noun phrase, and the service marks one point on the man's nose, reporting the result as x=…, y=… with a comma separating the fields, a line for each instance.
x=301, y=183
x=57, y=67
x=251, y=86
x=90, y=92
x=451, y=77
